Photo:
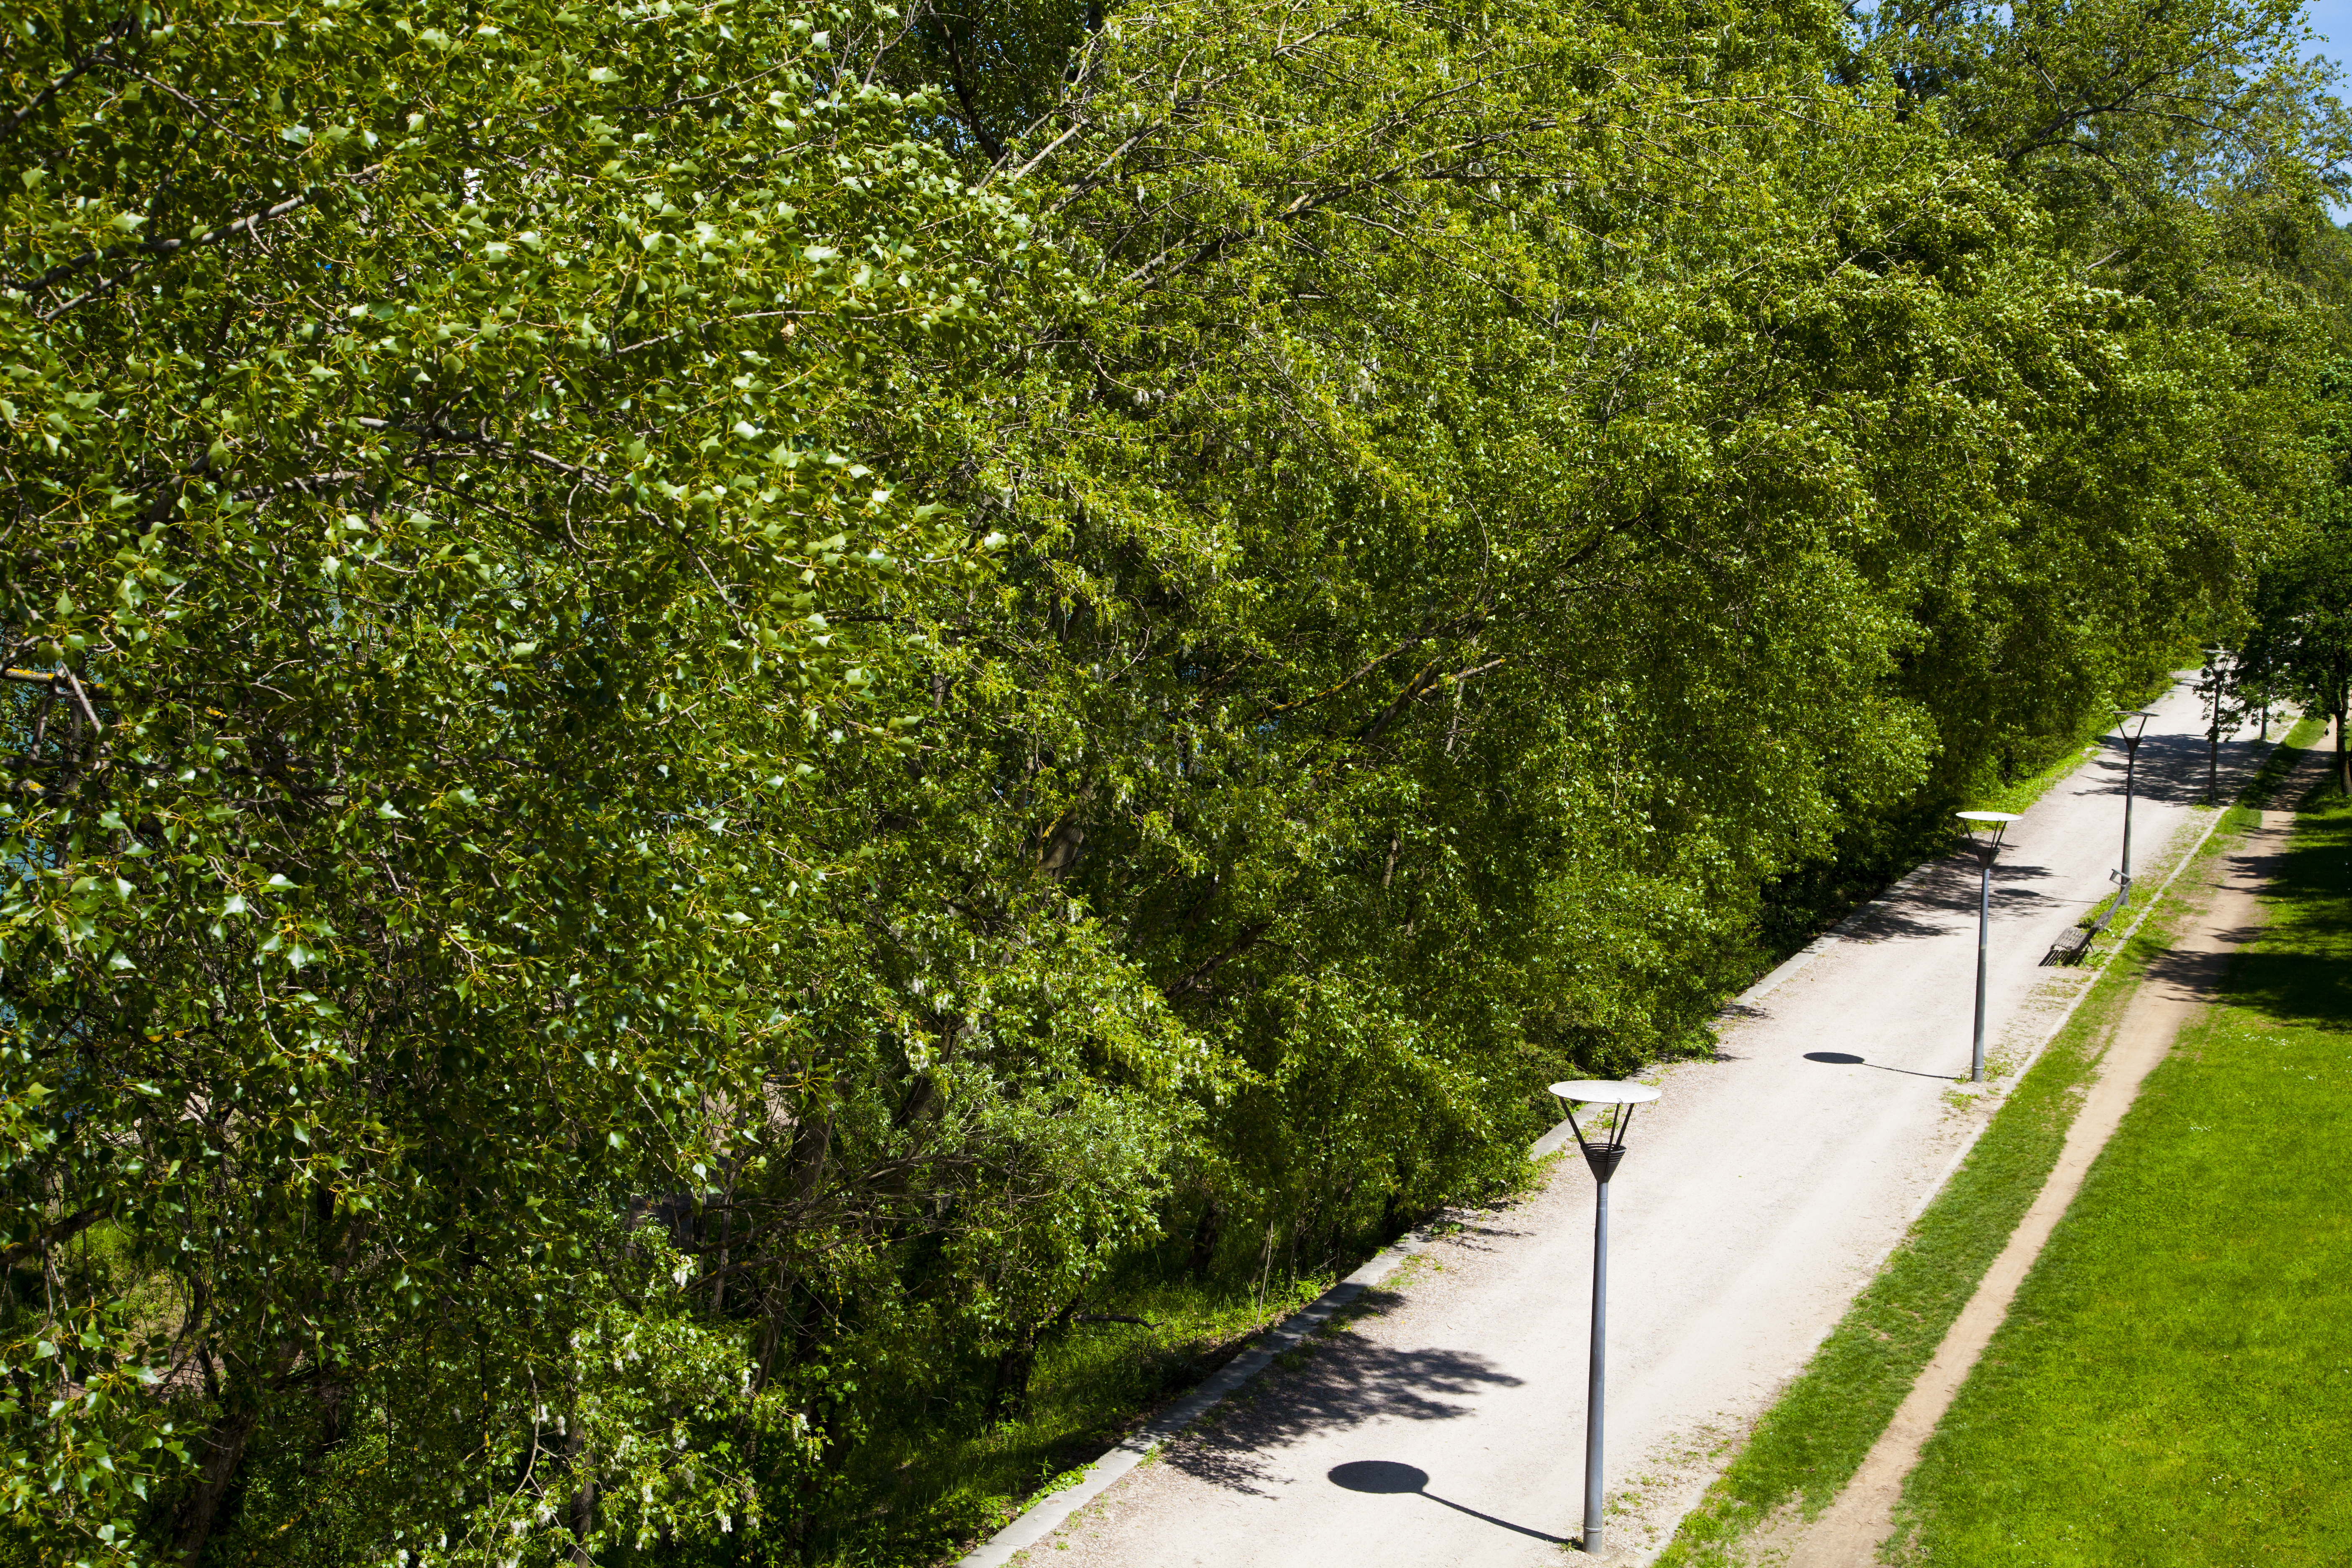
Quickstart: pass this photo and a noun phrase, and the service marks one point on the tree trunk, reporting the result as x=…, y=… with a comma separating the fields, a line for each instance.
x=1008, y=1386
x=1206, y=1229
x=2343, y=763
x=223, y=1452
x=583, y=1495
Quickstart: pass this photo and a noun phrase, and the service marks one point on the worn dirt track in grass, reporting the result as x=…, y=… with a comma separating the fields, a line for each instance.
x=1849, y=1532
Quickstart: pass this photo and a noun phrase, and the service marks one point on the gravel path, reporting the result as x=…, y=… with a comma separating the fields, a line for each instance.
x=1445, y=1429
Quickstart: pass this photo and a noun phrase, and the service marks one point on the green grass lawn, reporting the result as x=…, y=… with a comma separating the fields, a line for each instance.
x=2174, y=1385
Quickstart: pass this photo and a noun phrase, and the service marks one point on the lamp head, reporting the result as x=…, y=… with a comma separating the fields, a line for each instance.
x=1605, y=1144
x=1985, y=827
x=2130, y=721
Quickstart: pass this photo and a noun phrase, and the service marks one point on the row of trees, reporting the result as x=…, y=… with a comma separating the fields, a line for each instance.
x=707, y=701
x=2295, y=641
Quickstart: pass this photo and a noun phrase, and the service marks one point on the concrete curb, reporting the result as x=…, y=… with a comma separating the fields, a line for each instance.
x=2022, y=1064
x=1048, y=1513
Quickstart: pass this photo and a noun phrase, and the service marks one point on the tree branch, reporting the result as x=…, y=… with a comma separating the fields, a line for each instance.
x=246, y=225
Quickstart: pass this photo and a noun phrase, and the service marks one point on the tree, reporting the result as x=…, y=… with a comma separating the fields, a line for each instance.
x=442, y=563
x=2302, y=635
x=2299, y=639
x=702, y=731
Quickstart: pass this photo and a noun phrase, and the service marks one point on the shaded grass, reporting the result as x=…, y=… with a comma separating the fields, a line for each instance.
x=1810, y=1443
x=2174, y=1383
x=2020, y=793
x=934, y=1488
x=942, y=1489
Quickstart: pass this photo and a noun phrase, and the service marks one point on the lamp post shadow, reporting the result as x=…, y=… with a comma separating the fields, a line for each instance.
x=1386, y=1478
x=1848, y=1059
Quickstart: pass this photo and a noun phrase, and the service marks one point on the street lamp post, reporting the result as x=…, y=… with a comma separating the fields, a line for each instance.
x=1985, y=828
x=2130, y=724
x=1603, y=1147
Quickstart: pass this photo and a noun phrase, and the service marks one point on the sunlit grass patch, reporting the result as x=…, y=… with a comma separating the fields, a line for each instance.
x=2174, y=1383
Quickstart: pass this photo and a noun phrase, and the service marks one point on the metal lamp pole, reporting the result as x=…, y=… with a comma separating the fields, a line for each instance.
x=1985, y=828
x=2130, y=723
x=1603, y=1147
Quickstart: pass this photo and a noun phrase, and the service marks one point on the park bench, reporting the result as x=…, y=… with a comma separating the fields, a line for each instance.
x=2073, y=944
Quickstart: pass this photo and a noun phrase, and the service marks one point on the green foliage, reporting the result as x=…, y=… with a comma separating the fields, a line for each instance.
x=461, y=583
x=697, y=733
x=2298, y=642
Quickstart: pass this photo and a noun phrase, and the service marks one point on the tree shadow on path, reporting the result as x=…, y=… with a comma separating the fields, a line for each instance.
x=1338, y=1383
x=2172, y=769
x=1942, y=899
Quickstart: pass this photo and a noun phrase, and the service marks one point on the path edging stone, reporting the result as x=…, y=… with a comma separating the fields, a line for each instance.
x=1045, y=1515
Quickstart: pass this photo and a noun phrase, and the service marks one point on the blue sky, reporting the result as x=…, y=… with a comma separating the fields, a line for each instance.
x=2333, y=20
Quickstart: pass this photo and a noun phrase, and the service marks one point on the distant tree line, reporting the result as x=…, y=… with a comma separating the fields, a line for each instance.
x=706, y=702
